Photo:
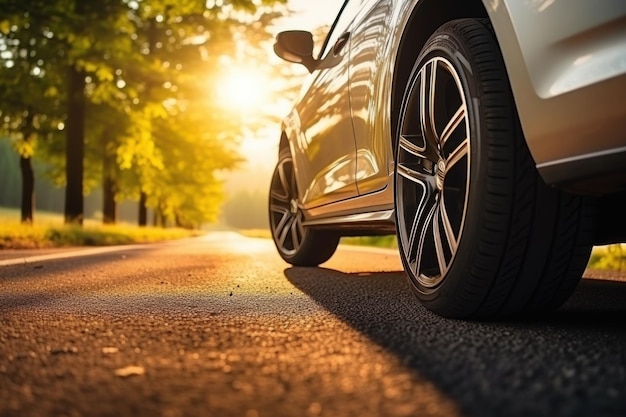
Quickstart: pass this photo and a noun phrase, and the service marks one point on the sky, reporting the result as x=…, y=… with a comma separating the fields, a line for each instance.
x=309, y=14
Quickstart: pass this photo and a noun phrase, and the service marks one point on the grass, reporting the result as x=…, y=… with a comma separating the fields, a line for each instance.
x=388, y=241
x=256, y=233
x=50, y=232
x=609, y=258
x=375, y=241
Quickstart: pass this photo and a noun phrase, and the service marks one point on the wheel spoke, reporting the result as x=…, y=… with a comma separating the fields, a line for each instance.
x=417, y=217
x=294, y=235
x=422, y=229
x=447, y=225
x=285, y=231
x=458, y=154
x=276, y=195
x=427, y=151
x=277, y=208
x=407, y=143
x=427, y=101
x=296, y=232
x=423, y=208
x=454, y=122
x=284, y=219
x=437, y=238
x=412, y=175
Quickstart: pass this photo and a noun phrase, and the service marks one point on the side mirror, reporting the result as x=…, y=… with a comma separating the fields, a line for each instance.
x=296, y=46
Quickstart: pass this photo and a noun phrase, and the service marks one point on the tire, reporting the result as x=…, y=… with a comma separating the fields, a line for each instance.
x=480, y=234
x=296, y=243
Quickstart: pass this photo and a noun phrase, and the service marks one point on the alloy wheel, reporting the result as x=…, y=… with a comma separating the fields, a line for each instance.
x=433, y=171
x=285, y=215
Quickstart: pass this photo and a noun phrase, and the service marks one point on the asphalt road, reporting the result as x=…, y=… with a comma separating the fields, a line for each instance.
x=220, y=326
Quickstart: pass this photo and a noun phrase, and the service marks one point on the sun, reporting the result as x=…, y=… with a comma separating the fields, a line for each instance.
x=242, y=89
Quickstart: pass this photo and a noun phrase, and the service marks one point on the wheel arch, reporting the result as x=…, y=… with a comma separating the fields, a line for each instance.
x=416, y=33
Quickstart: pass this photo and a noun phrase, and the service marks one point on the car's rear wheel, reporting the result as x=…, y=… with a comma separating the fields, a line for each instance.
x=480, y=234
x=296, y=243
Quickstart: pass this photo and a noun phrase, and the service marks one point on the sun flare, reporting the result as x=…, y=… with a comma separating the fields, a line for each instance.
x=242, y=90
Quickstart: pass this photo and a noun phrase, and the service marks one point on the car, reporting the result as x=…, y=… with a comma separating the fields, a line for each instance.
x=488, y=135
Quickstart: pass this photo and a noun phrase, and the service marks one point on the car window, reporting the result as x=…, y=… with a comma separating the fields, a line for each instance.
x=346, y=14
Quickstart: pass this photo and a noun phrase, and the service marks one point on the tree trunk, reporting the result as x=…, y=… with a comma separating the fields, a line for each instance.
x=27, y=205
x=28, y=189
x=159, y=217
x=75, y=147
x=143, y=209
x=109, y=207
x=156, y=217
x=109, y=186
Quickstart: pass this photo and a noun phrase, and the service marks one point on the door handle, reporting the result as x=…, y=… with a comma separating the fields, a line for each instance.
x=341, y=43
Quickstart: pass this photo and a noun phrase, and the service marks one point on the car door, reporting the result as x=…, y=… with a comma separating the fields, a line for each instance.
x=369, y=38
x=325, y=149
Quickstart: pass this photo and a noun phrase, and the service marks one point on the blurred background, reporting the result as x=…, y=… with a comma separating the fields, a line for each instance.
x=150, y=112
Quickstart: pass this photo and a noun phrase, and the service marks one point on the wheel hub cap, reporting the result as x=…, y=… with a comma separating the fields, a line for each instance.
x=293, y=206
x=440, y=174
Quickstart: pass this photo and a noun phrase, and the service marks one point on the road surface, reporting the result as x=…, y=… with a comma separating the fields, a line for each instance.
x=220, y=326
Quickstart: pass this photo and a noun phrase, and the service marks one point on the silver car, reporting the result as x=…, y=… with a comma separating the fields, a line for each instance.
x=489, y=135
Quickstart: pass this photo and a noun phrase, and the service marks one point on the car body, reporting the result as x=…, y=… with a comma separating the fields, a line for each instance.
x=396, y=82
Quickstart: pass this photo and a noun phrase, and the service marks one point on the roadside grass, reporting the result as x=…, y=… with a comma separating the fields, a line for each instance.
x=256, y=233
x=386, y=241
x=50, y=232
x=374, y=241
x=608, y=258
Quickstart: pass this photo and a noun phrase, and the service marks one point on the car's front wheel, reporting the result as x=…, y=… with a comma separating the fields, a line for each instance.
x=480, y=234
x=297, y=244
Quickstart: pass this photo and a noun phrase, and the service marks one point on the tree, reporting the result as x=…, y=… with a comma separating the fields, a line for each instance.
x=131, y=60
x=28, y=106
x=183, y=44
x=52, y=53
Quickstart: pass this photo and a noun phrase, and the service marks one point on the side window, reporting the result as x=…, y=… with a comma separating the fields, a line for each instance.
x=347, y=13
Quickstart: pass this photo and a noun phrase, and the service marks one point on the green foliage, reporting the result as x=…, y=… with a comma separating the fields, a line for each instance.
x=148, y=67
x=611, y=257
